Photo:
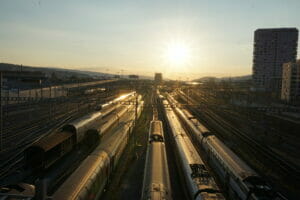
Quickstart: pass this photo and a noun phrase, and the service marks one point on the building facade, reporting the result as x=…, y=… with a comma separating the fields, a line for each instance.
x=158, y=78
x=290, y=91
x=272, y=48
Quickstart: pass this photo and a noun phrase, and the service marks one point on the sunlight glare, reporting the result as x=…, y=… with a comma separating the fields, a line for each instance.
x=177, y=53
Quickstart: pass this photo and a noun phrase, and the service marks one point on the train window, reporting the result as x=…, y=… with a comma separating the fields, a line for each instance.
x=83, y=193
x=235, y=194
x=101, y=176
x=99, y=170
x=93, y=191
x=242, y=188
x=98, y=177
x=107, y=170
x=94, y=177
x=88, y=185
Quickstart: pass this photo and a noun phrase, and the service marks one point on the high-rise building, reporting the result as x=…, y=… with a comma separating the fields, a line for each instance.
x=158, y=78
x=272, y=48
x=290, y=91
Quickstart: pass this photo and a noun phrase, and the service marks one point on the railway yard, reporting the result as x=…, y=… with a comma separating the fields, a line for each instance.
x=139, y=140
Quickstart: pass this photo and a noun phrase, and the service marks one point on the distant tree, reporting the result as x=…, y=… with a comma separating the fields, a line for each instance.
x=54, y=78
x=73, y=78
x=211, y=83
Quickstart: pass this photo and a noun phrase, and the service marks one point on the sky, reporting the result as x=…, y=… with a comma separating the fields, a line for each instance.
x=134, y=37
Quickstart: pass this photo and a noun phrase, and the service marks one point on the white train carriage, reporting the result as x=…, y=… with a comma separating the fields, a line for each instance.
x=241, y=181
x=156, y=183
x=190, y=121
x=199, y=182
x=89, y=179
x=238, y=178
x=90, y=122
x=108, y=121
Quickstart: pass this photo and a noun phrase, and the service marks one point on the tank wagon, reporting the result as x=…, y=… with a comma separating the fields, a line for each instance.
x=90, y=178
x=84, y=131
x=156, y=184
x=198, y=180
x=239, y=180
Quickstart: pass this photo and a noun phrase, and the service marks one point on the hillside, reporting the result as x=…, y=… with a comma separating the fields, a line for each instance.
x=234, y=79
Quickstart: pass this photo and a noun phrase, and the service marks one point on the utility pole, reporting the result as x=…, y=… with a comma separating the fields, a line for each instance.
x=188, y=92
x=1, y=116
x=78, y=96
x=18, y=94
x=136, y=109
x=41, y=89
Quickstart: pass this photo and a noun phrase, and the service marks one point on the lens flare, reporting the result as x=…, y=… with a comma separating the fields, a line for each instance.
x=177, y=53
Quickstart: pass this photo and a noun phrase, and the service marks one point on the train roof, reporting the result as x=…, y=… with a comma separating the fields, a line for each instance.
x=79, y=179
x=48, y=142
x=187, y=114
x=195, y=121
x=124, y=96
x=188, y=149
x=238, y=166
x=201, y=177
x=85, y=119
x=115, y=134
x=157, y=164
x=156, y=131
x=161, y=96
x=156, y=177
x=200, y=126
x=156, y=127
x=183, y=140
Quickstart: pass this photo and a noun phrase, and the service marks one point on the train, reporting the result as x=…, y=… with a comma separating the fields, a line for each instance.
x=93, y=91
x=51, y=91
x=156, y=182
x=90, y=178
x=198, y=180
x=86, y=130
x=238, y=179
x=17, y=191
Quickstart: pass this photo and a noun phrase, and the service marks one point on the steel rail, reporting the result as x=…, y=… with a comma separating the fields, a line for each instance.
x=286, y=166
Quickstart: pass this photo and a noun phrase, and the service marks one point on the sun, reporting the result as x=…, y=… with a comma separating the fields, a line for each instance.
x=177, y=53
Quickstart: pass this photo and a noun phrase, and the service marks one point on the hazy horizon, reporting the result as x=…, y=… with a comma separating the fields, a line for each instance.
x=213, y=38
x=126, y=73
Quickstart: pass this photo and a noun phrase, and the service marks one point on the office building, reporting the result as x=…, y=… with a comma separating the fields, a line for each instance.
x=290, y=91
x=272, y=48
x=158, y=78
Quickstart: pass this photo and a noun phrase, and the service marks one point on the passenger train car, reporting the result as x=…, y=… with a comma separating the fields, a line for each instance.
x=89, y=179
x=85, y=130
x=240, y=181
x=90, y=122
x=199, y=182
x=156, y=184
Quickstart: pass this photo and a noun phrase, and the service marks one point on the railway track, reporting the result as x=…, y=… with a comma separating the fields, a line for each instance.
x=27, y=133
x=14, y=135
x=14, y=160
x=18, y=126
x=268, y=155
